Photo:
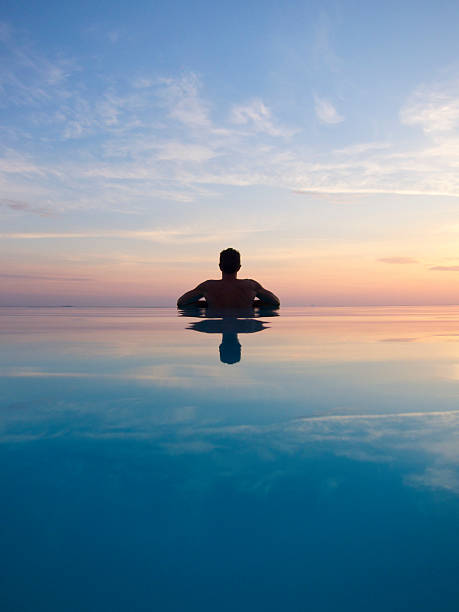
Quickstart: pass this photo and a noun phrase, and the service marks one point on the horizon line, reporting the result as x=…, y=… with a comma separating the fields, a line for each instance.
x=382, y=305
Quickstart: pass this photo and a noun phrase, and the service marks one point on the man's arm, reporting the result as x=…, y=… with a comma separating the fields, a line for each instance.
x=190, y=297
x=265, y=296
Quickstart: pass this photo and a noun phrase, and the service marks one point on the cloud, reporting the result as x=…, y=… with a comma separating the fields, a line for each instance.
x=257, y=115
x=399, y=340
x=23, y=206
x=177, y=151
x=362, y=148
x=132, y=143
x=398, y=260
x=45, y=278
x=28, y=77
x=14, y=162
x=183, y=102
x=326, y=112
x=433, y=109
x=160, y=236
x=99, y=32
x=445, y=268
x=143, y=82
x=343, y=190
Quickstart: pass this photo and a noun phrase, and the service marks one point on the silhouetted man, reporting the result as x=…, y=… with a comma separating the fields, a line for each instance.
x=229, y=292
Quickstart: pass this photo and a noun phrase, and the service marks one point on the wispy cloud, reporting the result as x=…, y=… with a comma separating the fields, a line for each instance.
x=156, y=235
x=435, y=109
x=398, y=260
x=362, y=148
x=28, y=77
x=326, y=112
x=178, y=151
x=257, y=115
x=13, y=162
x=133, y=143
x=24, y=207
x=183, y=102
x=338, y=189
x=445, y=268
x=45, y=278
x=395, y=340
x=160, y=236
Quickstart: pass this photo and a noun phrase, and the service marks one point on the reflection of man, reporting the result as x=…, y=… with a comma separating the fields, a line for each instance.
x=229, y=327
x=229, y=292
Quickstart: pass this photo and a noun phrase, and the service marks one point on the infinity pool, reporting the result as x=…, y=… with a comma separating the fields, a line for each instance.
x=300, y=460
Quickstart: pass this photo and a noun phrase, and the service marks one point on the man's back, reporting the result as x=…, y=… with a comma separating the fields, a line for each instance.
x=229, y=292
x=234, y=293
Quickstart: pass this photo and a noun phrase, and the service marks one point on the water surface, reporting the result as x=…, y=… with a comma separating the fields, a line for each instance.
x=154, y=461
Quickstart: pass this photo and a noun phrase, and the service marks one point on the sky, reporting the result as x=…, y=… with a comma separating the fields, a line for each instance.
x=137, y=140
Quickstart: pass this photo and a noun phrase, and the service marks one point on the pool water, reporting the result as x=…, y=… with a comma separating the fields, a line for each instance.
x=300, y=460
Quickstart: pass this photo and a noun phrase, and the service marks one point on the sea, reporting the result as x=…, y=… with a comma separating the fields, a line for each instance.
x=161, y=460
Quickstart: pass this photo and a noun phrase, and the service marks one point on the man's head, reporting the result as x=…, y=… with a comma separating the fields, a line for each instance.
x=230, y=261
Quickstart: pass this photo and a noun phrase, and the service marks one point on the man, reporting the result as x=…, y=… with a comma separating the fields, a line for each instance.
x=229, y=292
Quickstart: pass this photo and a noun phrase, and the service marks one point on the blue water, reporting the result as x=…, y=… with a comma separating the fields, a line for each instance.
x=153, y=461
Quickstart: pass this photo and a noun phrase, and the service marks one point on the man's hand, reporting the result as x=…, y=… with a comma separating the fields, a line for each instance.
x=265, y=296
x=191, y=297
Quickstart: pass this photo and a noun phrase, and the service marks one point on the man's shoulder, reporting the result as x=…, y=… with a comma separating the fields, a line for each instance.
x=211, y=280
x=207, y=283
x=251, y=282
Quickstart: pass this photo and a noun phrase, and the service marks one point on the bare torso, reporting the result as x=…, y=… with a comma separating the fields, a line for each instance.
x=235, y=293
x=229, y=293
